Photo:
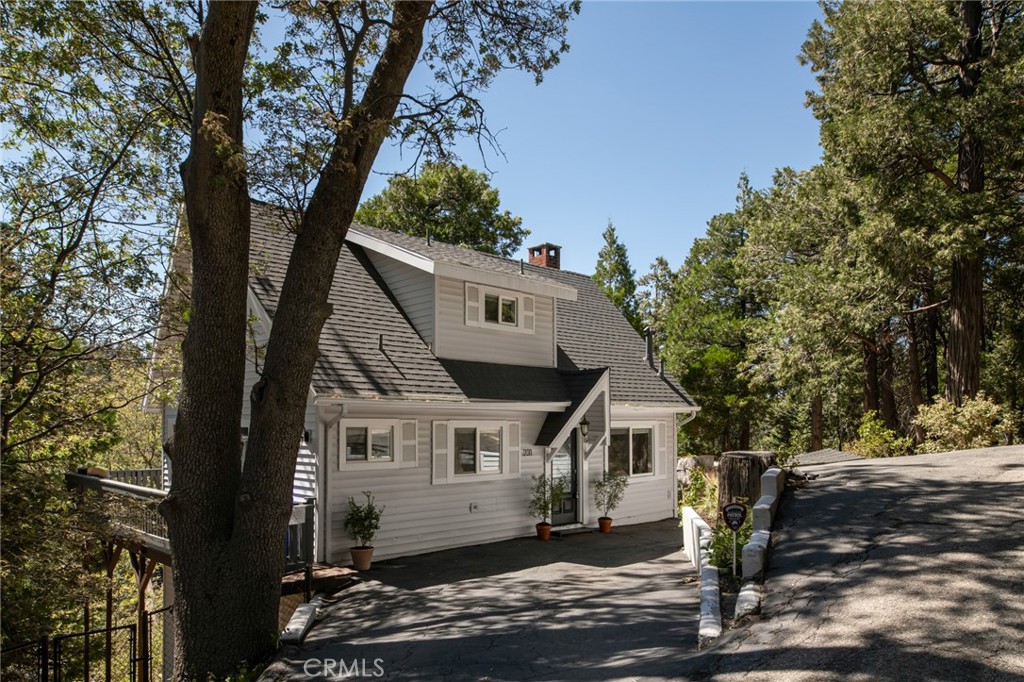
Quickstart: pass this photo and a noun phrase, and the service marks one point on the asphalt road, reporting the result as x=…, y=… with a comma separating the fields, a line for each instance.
x=883, y=570
x=897, y=569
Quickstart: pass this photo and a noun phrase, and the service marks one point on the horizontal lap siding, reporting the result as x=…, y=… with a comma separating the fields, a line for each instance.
x=652, y=498
x=414, y=290
x=458, y=341
x=422, y=517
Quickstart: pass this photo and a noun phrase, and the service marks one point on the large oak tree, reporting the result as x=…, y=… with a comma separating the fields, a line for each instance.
x=296, y=116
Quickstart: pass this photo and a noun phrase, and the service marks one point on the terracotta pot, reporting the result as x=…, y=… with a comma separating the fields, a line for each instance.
x=543, y=531
x=605, y=524
x=361, y=557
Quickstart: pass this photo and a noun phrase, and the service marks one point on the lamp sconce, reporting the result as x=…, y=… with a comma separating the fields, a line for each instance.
x=306, y=436
x=584, y=426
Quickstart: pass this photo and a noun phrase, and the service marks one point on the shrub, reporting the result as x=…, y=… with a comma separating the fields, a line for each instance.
x=875, y=440
x=609, y=490
x=702, y=494
x=979, y=423
x=363, y=520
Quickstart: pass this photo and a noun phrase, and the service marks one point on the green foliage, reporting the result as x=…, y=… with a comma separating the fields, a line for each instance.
x=701, y=493
x=546, y=493
x=617, y=277
x=874, y=440
x=978, y=423
x=453, y=204
x=711, y=324
x=609, y=490
x=363, y=520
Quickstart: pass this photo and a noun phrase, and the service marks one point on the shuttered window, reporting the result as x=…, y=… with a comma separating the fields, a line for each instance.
x=466, y=451
x=499, y=309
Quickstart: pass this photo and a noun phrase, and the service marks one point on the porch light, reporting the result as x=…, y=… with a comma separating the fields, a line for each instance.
x=584, y=426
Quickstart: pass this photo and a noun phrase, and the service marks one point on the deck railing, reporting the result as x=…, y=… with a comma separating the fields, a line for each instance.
x=135, y=515
x=147, y=478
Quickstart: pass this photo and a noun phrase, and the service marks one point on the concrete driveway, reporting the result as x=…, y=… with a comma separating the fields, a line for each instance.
x=585, y=607
x=897, y=569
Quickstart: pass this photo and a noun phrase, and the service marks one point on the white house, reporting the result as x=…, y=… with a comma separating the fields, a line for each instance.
x=447, y=377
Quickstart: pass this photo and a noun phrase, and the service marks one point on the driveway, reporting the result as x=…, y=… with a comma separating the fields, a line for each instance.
x=896, y=569
x=585, y=607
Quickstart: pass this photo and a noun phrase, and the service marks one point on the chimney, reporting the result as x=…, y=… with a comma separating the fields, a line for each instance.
x=546, y=255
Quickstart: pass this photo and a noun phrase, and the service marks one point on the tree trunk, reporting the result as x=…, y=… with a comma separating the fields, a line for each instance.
x=963, y=355
x=870, y=364
x=739, y=476
x=931, y=347
x=227, y=524
x=914, y=368
x=745, y=433
x=886, y=394
x=207, y=450
x=817, y=423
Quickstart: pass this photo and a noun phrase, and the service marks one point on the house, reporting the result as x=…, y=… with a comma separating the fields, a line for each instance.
x=447, y=377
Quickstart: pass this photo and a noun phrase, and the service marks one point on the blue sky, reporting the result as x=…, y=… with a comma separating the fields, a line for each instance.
x=649, y=121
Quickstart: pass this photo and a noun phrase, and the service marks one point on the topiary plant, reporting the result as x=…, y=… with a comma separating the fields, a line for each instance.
x=544, y=495
x=609, y=490
x=363, y=520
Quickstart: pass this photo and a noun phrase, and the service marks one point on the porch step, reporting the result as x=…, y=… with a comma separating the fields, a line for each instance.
x=571, y=530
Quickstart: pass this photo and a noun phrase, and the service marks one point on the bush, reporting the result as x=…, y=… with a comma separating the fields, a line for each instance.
x=702, y=494
x=609, y=490
x=979, y=423
x=875, y=440
x=363, y=520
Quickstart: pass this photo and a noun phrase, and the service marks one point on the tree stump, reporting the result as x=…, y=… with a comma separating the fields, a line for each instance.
x=739, y=476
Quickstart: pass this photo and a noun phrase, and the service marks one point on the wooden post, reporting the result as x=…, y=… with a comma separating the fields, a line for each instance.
x=143, y=572
x=739, y=476
x=111, y=554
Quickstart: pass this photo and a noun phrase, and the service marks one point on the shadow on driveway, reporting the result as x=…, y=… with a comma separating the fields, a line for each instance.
x=586, y=607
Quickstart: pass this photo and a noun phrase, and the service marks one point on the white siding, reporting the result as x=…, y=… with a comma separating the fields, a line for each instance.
x=422, y=517
x=648, y=498
x=458, y=341
x=414, y=290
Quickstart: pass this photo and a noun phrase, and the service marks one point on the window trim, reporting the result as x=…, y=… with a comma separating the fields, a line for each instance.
x=503, y=427
x=638, y=426
x=370, y=425
x=503, y=295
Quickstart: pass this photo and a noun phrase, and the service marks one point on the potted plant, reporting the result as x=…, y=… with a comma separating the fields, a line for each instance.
x=544, y=495
x=608, y=492
x=362, y=524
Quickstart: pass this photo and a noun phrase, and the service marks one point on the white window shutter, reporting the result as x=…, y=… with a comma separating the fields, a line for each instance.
x=529, y=316
x=661, y=448
x=439, y=439
x=514, y=449
x=407, y=430
x=472, y=305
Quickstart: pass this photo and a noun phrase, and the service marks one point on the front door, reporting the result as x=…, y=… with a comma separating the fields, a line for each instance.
x=564, y=465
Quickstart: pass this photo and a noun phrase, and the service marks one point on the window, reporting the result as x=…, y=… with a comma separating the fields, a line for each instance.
x=366, y=444
x=471, y=451
x=373, y=443
x=500, y=309
x=631, y=451
x=506, y=310
x=477, y=451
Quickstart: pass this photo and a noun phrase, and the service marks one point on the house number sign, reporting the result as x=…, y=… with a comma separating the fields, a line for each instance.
x=734, y=515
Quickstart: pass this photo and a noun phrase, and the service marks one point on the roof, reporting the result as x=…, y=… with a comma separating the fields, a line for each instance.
x=592, y=333
x=370, y=349
x=353, y=361
x=458, y=262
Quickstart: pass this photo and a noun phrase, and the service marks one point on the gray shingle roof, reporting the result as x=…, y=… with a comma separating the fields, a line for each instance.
x=449, y=253
x=592, y=333
x=351, y=363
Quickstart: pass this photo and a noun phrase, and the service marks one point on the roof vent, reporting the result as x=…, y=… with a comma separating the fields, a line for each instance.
x=546, y=255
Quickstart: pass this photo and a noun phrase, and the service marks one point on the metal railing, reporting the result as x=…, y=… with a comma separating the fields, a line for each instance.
x=136, y=514
x=146, y=478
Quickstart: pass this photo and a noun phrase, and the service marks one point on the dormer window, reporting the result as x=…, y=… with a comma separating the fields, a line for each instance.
x=490, y=307
x=501, y=309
